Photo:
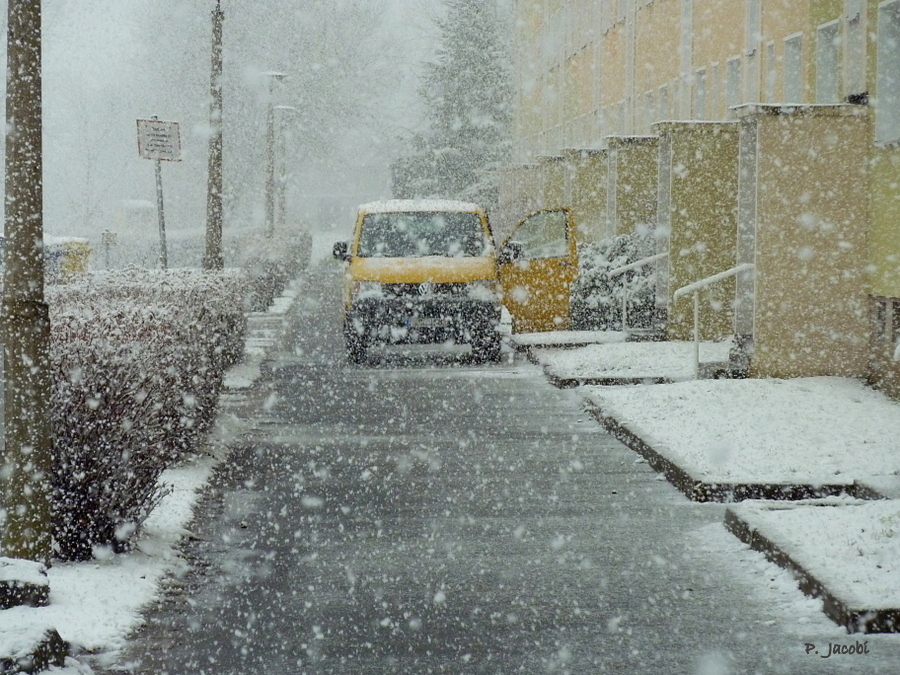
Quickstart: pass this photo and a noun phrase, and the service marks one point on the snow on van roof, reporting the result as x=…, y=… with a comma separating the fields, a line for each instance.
x=395, y=205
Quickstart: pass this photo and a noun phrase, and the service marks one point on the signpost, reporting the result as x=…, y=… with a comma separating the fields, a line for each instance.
x=161, y=142
x=108, y=239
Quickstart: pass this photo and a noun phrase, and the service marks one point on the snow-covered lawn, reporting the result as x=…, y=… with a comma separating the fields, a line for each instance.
x=618, y=359
x=851, y=548
x=805, y=431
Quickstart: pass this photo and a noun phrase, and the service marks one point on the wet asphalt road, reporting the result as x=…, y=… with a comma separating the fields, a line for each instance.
x=423, y=514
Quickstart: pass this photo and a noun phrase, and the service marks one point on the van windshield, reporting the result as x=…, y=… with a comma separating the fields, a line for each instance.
x=417, y=234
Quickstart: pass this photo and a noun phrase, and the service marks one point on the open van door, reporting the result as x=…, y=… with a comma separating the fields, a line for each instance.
x=538, y=263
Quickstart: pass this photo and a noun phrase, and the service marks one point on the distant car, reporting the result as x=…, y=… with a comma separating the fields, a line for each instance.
x=421, y=271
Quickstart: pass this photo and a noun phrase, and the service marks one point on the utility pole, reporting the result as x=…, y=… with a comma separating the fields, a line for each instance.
x=213, y=260
x=161, y=216
x=27, y=461
x=270, y=154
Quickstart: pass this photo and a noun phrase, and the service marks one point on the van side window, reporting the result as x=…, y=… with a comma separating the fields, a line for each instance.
x=543, y=235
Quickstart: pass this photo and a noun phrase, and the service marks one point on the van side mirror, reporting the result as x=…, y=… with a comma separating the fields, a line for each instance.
x=341, y=251
x=510, y=252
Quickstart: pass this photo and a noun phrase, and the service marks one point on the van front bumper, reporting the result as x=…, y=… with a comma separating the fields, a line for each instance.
x=431, y=320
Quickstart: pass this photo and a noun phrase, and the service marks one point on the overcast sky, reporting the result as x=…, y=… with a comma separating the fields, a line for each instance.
x=107, y=63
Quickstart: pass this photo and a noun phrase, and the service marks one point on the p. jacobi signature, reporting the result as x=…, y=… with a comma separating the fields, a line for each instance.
x=837, y=649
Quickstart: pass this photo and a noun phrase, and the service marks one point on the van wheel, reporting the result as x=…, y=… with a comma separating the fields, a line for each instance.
x=487, y=351
x=356, y=345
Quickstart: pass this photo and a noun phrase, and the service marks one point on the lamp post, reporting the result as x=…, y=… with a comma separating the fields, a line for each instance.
x=270, y=152
x=282, y=174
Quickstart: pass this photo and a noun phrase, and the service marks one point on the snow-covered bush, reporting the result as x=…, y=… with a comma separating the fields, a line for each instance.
x=271, y=261
x=596, y=302
x=137, y=359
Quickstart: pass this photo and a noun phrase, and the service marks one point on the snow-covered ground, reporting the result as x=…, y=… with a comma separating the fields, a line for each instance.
x=95, y=605
x=850, y=546
x=811, y=431
x=773, y=429
x=804, y=431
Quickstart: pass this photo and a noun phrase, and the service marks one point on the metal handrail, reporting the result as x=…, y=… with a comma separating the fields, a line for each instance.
x=627, y=268
x=638, y=263
x=695, y=288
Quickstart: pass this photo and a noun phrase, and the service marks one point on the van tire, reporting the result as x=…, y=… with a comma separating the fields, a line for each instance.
x=488, y=351
x=356, y=345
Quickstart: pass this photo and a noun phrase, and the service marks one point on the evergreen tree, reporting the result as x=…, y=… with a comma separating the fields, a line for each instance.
x=467, y=96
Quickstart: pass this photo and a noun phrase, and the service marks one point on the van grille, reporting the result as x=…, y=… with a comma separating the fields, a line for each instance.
x=419, y=290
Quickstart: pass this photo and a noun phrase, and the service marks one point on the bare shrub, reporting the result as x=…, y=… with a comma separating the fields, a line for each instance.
x=138, y=361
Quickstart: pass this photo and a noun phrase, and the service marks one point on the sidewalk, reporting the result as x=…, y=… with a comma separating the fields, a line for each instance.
x=815, y=452
x=95, y=605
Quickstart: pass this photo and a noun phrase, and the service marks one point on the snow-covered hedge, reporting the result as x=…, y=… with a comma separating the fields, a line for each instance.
x=138, y=359
x=596, y=302
x=271, y=261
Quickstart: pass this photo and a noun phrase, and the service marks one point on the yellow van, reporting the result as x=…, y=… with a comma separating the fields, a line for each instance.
x=426, y=271
x=421, y=271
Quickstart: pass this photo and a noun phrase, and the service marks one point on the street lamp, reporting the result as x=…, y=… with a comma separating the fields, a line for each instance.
x=270, y=152
x=282, y=176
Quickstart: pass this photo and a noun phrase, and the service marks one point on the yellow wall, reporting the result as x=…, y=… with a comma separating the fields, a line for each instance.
x=718, y=31
x=612, y=59
x=587, y=194
x=703, y=223
x=885, y=230
x=811, y=306
x=520, y=188
x=657, y=39
x=637, y=170
x=553, y=172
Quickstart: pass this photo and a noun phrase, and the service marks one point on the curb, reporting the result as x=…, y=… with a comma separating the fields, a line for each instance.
x=266, y=334
x=855, y=620
x=698, y=490
x=574, y=382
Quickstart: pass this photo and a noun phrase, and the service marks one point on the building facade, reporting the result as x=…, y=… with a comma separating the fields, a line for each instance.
x=801, y=159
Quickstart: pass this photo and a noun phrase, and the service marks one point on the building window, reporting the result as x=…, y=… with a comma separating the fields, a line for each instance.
x=771, y=72
x=733, y=82
x=700, y=95
x=855, y=72
x=649, y=111
x=662, y=102
x=887, y=322
x=793, y=69
x=828, y=59
x=754, y=30
x=713, y=93
x=887, y=78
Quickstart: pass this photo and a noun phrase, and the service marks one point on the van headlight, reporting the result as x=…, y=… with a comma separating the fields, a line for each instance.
x=485, y=290
x=366, y=289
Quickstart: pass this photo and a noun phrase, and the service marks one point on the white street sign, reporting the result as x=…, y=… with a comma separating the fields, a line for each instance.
x=159, y=140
